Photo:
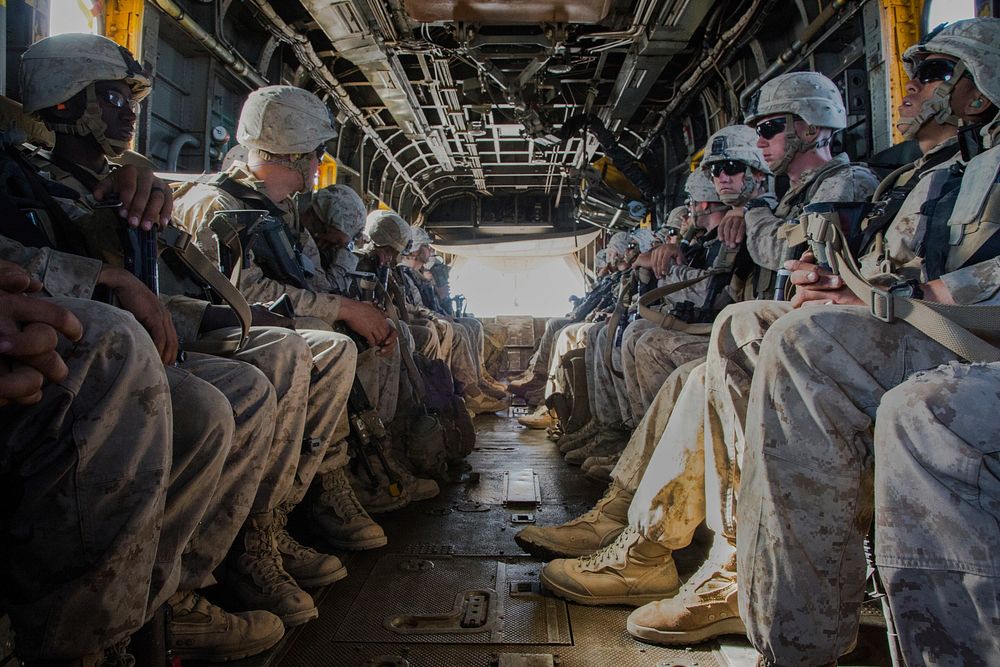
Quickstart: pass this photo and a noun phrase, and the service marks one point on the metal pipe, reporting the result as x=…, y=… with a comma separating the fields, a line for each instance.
x=178, y=144
x=322, y=75
x=785, y=59
x=3, y=48
x=233, y=61
x=722, y=45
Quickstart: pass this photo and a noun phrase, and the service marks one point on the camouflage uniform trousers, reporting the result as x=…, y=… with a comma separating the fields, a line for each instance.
x=601, y=408
x=644, y=439
x=474, y=329
x=650, y=354
x=454, y=349
x=611, y=411
x=694, y=472
x=806, y=501
x=542, y=358
x=294, y=366
x=937, y=512
x=570, y=337
x=252, y=404
x=87, y=552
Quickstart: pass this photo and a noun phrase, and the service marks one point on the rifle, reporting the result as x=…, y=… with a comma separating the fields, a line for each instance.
x=368, y=437
x=267, y=236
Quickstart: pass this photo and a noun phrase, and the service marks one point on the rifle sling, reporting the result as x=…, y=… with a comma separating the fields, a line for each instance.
x=948, y=325
x=179, y=242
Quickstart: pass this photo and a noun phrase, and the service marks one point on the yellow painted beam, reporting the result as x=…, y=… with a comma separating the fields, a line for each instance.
x=900, y=30
x=123, y=24
x=327, y=175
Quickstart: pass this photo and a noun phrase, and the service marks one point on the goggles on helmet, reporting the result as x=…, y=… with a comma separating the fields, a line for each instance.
x=936, y=69
x=117, y=100
x=769, y=129
x=727, y=167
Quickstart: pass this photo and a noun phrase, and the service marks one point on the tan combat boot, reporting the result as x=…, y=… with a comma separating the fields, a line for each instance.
x=199, y=630
x=538, y=420
x=258, y=577
x=309, y=568
x=581, y=536
x=705, y=607
x=599, y=468
x=340, y=517
x=630, y=571
x=380, y=497
x=481, y=404
x=580, y=437
x=491, y=386
x=607, y=443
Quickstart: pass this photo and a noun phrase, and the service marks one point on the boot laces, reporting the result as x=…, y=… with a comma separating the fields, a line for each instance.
x=593, y=513
x=341, y=496
x=265, y=568
x=613, y=553
x=288, y=544
x=117, y=655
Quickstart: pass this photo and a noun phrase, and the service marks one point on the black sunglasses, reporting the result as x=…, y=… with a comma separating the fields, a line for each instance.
x=727, y=167
x=769, y=129
x=118, y=101
x=937, y=69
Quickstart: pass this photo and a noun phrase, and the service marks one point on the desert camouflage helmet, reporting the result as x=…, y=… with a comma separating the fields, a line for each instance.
x=600, y=259
x=385, y=228
x=617, y=247
x=700, y=188
x=284, y=120
x=675, y=219
x=340, y=207
x=644, y=238
x=736, y=142
x=975, y=44
x=56, y=68
x=808, y=95
x=418, y=237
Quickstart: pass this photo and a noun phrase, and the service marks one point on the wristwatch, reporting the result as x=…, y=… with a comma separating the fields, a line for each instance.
x=909, y=289
x=758, y=202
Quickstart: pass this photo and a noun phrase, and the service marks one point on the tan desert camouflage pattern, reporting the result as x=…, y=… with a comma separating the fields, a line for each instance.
x=542, y=359
x=634, y=460
x=97, y=455
x=194, y=209
x=937, y=511
x=836, y=181
x=805, y=504
x=284, y=120
x=570, y=337
x=251, y=401
x=649, y=355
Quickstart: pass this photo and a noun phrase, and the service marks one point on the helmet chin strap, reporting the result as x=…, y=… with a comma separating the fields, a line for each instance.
x=745, y=193
x=938, y=107
x=794, y=145
x=91, y=124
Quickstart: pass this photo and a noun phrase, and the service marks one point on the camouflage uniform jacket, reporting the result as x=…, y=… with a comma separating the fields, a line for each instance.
x=897, y=254
x=194, y=209
x=836, y=181
x=186, y=309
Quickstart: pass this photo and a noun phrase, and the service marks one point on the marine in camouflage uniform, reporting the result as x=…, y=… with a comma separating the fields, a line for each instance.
x=695, y=473
x=937, y=507
x=667, y=357
x=89, y=554
x=89, y=88
x=823, y=376
x=444, y=338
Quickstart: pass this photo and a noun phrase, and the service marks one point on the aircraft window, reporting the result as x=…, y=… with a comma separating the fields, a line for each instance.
x=947, y=11
x=74, y=17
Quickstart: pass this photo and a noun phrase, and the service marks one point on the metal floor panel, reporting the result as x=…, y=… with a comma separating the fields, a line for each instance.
x=466, y=532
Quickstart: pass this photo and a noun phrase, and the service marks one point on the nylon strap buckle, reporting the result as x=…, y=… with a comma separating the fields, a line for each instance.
x=882, y=306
